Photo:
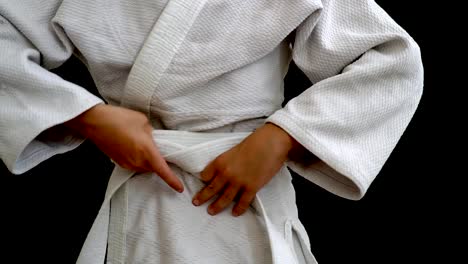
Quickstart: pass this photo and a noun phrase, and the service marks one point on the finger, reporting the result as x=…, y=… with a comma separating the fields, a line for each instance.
x=209, y=172
x=224, y=199
x=244, y=202
x=214, y=187
x=159, y=165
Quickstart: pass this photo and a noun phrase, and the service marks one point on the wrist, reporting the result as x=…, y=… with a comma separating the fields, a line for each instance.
x=290, y=147
x=86, y=120
x=287, y=142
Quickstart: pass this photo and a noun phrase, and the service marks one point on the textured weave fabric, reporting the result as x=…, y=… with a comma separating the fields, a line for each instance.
x=210, y=65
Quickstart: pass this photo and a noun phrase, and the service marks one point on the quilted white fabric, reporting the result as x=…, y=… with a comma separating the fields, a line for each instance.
x=214, y=66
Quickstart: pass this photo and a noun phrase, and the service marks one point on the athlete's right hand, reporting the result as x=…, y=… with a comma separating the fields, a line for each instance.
x=125, y=136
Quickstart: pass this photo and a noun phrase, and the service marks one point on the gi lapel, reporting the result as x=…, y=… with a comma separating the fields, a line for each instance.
x=158, y=51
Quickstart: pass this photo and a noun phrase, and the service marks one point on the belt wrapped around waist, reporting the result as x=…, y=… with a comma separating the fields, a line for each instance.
x=192, y=151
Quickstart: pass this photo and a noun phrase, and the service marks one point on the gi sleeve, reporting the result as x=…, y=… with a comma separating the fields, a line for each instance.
x=34, y=101
x=368, y=78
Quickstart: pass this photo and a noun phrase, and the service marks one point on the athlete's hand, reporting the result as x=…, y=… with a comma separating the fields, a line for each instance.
x=125, y=136
x=243, y=170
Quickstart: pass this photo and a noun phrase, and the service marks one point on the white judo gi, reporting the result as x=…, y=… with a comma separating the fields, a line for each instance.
x=207, y=73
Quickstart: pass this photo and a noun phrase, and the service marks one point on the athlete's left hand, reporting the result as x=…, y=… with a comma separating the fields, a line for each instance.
x=243, y=170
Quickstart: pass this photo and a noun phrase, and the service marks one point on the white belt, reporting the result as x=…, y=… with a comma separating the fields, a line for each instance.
x=191, y=151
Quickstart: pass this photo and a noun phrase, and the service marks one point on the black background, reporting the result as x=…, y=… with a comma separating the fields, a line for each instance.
x=47, y=212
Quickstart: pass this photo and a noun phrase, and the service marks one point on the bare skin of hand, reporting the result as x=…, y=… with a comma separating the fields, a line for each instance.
x=125, y=136
x=243, y=170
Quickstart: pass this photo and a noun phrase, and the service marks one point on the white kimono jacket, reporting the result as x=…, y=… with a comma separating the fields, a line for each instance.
x=207, y=73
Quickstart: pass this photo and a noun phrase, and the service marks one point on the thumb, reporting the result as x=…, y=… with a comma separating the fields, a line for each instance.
x=159, y=165
x=209, y=171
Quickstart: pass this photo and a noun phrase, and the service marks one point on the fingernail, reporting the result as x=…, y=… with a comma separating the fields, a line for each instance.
x=196, y=202
x=181, y=190
x=235, y=213
x=211, y=211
